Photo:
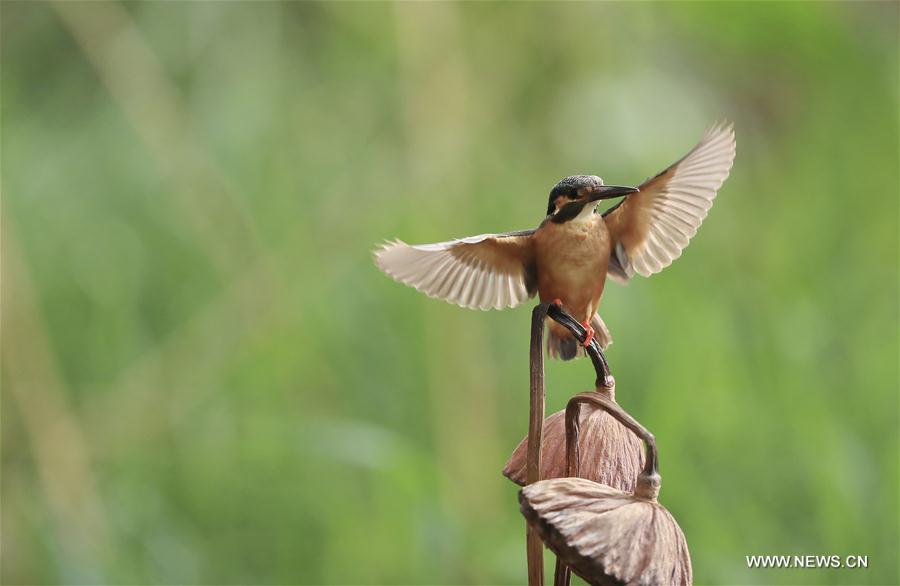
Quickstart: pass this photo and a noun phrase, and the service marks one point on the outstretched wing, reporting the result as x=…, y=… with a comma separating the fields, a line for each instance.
x=490, y=271
x=650, y=228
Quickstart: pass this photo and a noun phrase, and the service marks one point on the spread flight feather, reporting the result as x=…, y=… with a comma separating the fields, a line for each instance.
x=648, y=230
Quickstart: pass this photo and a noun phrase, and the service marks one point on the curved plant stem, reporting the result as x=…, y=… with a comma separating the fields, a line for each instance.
x=534, y=546
x=573, y=408
x=563, y=318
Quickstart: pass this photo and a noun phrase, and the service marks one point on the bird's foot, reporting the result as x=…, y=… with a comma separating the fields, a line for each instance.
x=590, y=333
x=557, y=302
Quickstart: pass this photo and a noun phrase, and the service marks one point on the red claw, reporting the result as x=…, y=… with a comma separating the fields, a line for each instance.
x=590, y=333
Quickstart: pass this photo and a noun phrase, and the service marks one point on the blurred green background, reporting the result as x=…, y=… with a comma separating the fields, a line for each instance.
x=206, y=380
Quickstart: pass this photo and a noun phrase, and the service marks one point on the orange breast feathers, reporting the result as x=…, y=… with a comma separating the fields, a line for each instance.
x=572, y=260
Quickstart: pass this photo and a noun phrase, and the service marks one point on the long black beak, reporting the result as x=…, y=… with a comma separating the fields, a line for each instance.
x=611, y=191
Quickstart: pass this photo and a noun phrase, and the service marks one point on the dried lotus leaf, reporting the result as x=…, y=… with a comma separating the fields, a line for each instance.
x=612, y=455
x=605, y=535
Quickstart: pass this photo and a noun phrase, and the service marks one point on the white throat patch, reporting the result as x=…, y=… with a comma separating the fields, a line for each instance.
x=587, y=212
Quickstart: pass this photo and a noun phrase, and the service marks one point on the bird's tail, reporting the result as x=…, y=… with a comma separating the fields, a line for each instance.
x=561, y=344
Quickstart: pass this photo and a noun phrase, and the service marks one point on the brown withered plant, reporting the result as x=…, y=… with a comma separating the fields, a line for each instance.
x=614, y=454
x=602, y=520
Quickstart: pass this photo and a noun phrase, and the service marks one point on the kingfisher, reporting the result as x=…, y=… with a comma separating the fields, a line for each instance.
x=567, y=258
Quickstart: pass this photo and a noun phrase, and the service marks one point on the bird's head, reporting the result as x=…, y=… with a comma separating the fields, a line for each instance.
x=569, y=197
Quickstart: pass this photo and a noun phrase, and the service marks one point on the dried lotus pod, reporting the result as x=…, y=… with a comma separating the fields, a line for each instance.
x=606, y=535
x=616, y=454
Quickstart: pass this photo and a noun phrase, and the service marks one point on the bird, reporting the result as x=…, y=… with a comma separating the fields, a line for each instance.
x=566, y=260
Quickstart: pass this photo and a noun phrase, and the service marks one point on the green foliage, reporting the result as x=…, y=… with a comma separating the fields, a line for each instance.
x=206, y=380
